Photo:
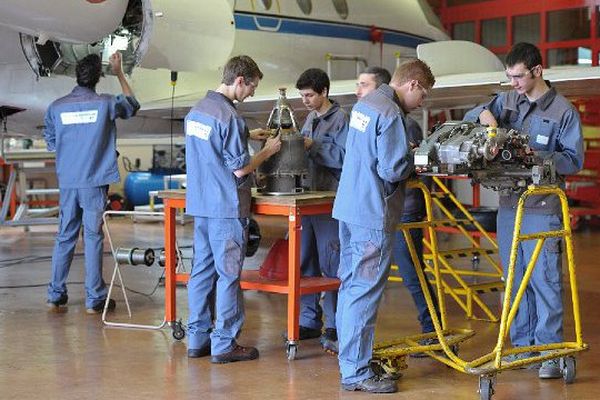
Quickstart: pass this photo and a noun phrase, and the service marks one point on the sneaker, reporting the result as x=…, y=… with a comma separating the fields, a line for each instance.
x=521, y=356
x=424, y=342
x=374, y=384
x=201, y=352
x=238, y=353
x=55, y=305
x=99, y=308
x=305, y=333
x=329, y=341
x=550, y=369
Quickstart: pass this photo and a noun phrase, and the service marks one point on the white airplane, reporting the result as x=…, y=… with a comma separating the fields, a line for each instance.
x=41, y=41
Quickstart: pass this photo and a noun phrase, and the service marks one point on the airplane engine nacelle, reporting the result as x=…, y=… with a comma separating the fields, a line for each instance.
x=149, y=33
x=80, y=21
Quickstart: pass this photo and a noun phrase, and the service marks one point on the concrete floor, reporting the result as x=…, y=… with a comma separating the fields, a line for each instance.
x=71, y=355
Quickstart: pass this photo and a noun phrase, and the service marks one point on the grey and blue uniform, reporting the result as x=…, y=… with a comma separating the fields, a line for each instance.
x=554, y=131
x=414, y=211
x=81, y=128
x=368, y=204
x=216, y=141
x=320, y=253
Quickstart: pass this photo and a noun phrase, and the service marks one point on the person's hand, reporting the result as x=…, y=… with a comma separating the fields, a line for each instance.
x=307, y=143
x=273, y=145
x=115, y=63
x=260, y=134
x=487, y=118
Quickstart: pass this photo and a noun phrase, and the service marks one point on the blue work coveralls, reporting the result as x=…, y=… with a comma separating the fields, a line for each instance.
x=81, y=128
x=368, y=204
x=414, y=211
x=216, y=142
x=320, y=253
x=554, y=131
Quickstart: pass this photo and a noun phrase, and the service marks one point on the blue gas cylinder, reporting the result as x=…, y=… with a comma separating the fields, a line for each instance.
x=138, y=184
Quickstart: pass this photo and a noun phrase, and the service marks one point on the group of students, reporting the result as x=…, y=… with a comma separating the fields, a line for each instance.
x=366, y=157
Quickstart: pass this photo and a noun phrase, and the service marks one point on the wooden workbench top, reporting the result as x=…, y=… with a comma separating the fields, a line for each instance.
x=307, y=198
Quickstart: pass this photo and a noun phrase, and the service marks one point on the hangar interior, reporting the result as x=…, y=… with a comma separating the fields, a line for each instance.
x=72, y=355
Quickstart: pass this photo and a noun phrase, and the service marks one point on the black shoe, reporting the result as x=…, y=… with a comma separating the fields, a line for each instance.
x=238, y=353
x=62, y=300
x=305, y=333
x=58, y=303
x=424, y=342
x=201, y=352
x=375, y=384
x=98, y=308
x=329, y=341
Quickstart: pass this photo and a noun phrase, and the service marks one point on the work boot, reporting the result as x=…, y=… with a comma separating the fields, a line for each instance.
x=329, y=341
x=201, y=352
x=374, y=384
x=522, y=356
x=305, y=333
x=98, y=308
x=550, y=369
x=424, y=342
x=55, y=305
x=238, y=353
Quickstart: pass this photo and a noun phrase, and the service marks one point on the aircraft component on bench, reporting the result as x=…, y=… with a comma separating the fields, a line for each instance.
x=284, y=171
x=497, y=158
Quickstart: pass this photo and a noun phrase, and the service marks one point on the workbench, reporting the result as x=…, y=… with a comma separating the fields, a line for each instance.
x=292, y=206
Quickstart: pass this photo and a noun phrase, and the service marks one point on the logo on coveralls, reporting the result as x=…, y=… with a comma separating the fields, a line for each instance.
x=359, y=121
x=79, y=117
x=198, y=129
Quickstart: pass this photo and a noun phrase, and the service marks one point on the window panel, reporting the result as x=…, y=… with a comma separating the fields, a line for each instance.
x=570, y=56
x=464, y=31
x=493, y=32
x=526, y=28
x=568, y=24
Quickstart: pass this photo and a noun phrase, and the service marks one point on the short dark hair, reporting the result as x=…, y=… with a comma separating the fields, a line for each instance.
x=243, y=66
x=382, y=75
x=315, y=79
x=89, y=71
x=525, y=53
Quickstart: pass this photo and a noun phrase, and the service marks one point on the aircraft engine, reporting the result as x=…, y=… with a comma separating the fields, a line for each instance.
x=498, y=158
x=149, y=33
x=284, y=172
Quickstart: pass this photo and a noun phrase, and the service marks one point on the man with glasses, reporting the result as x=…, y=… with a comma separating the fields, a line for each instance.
x=368, y=205
x=218, y=196
x=414, y=210
x=554, y=130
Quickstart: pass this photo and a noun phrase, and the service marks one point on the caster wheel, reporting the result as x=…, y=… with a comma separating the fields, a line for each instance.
x=455, y=348
x=291, y=351
x=486, y=387
x=178, y=331
x=568, y=366
x=475, y=263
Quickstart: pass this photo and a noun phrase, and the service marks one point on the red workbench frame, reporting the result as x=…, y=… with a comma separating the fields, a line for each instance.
x=292, y=206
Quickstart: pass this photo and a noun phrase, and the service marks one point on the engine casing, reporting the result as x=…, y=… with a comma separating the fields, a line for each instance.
x=497, y=158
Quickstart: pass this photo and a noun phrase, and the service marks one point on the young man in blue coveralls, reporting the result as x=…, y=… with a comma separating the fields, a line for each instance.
x=324, y=134
x=369, y=204
x=414, y=210
x=81, y=128
x=554, y=131
x=218, y=195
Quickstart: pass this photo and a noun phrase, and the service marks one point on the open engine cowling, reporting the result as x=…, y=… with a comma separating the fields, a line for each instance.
x=149, y=33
